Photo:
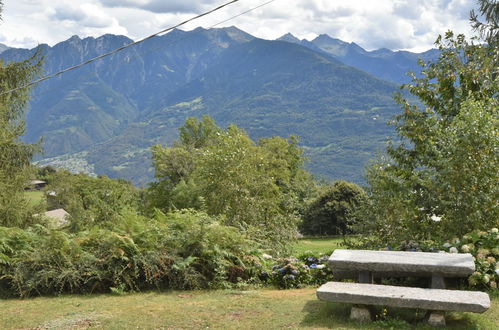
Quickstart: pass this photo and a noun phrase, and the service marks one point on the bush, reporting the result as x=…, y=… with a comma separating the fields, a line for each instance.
x=484, y=246
x=291, y=272
x=91, y=201
x=332, y=213
x=179, y=250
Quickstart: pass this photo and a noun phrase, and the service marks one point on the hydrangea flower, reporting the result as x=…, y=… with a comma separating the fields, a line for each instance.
x=320, y=266
x=312, y=259
x=465, y=248
x=453, y=250
x=313, y=266
x=435, y=218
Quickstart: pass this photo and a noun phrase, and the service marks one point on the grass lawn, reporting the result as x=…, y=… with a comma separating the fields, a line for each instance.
x=318, y=245
x=261, y=309
x=34, y=197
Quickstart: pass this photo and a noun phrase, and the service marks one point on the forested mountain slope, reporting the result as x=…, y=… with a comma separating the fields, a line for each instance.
x=104, y=117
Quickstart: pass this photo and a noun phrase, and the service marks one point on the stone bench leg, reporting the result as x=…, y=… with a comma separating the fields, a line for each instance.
x=362, y=313
x=436, y=318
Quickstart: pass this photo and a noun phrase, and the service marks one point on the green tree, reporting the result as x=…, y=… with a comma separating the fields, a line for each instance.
x=488, y=29
x=91, y=201
x=174, y=165
x=441, y=178
x=255, y=187
x=15, y=156
x=333, y=211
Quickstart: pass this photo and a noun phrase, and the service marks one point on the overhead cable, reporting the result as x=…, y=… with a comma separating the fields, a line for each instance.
x=120, y=48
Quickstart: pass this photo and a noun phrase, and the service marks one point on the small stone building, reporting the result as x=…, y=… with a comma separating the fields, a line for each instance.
x=60, y=215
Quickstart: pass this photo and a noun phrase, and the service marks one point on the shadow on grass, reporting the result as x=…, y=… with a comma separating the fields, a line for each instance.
x=321, y=314
x=324, y=314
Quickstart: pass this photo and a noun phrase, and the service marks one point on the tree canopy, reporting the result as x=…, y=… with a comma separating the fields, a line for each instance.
x=256, y=187
x=333, y=211
x=440, y=178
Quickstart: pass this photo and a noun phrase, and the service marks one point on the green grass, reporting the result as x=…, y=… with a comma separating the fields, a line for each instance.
x=318, y=245
x=35, y=197
x=261, y=309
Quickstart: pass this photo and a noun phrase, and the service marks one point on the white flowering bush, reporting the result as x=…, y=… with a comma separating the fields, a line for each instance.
x=484, y=246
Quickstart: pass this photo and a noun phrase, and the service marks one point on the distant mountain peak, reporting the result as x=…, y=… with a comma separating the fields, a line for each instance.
x=3, y=48
x=237, y=34
x=289, y=38
x=233, y=28
x=325, y=38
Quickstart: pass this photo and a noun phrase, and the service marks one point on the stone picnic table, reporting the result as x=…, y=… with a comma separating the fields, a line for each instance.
x=367, y=265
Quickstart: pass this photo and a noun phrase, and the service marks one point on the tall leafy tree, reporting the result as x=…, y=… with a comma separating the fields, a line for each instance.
x=256, y=187
x=15, y=156
x=441, y=177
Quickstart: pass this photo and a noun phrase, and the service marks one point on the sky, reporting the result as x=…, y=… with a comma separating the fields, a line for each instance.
x=394, y=24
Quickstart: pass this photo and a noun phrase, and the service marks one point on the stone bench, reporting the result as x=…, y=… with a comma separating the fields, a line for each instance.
x=366, y=265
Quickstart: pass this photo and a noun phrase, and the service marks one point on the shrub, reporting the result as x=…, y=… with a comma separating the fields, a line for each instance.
x=180, y=250
x=91, y=201
x=332, y=212
x=291, y=272
x=484, y=246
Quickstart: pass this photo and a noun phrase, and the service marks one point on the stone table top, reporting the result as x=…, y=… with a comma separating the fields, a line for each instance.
x=445, y=264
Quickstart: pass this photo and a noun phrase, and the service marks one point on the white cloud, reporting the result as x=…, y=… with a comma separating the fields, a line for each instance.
x=87, y=15
x=159, y=6
x=395, y=24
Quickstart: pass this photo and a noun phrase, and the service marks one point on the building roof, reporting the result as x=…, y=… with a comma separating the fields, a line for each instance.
x=38, y=182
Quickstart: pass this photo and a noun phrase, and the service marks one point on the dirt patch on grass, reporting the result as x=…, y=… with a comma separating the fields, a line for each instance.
x=288, y=293
x=79, y=322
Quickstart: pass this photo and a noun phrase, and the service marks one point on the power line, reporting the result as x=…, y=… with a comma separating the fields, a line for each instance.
x=122, y=48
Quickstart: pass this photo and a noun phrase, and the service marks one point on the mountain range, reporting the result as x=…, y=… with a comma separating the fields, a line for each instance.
x=382, y=63
x=103, y=118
